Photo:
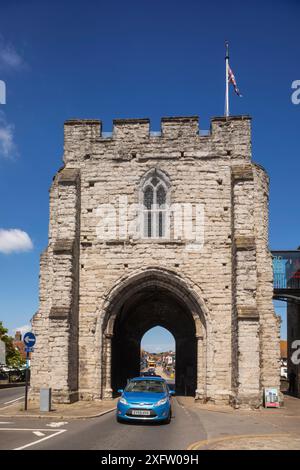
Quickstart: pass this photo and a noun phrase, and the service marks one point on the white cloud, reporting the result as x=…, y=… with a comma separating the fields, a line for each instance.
x=9, y=57
x=8, y=148
x=14, y=241
x=157, y=348
x=23, y=329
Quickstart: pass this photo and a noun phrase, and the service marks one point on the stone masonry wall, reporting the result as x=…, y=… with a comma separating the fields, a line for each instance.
x=232, y=272
x=269, y=323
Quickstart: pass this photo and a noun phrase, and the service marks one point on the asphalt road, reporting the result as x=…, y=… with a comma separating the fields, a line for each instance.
x=102, y=433
x=9, y=395
x=189, y=425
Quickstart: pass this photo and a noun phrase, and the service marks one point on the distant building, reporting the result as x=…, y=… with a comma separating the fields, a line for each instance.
x=283, y=359
x=283, y=350
x=169, y=358
x=293, y=333
x=19, y=344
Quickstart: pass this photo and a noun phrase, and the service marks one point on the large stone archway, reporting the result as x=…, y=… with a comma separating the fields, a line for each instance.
x=152, y=297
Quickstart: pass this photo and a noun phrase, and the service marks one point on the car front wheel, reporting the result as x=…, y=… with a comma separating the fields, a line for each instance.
x=168, y=419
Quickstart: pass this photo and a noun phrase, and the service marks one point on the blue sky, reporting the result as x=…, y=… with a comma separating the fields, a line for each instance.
x=137, y=59
x=158, y=339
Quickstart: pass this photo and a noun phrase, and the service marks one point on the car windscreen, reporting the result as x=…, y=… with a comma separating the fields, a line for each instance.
x=155, y=386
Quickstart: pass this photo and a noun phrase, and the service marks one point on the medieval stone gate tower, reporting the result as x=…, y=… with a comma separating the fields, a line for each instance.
x=102, y=286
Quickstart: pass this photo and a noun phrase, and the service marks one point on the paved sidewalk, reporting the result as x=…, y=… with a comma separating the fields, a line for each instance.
x=276, y=442
x=190, y=402
x=291, y=407
x=249, y=442
x=246, y=429
x=77, y=410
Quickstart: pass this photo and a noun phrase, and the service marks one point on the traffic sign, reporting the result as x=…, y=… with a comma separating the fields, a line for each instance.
x=29, y=339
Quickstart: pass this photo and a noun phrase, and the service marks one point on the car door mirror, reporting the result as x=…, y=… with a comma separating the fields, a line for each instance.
x=120, y=390
x=172, y=393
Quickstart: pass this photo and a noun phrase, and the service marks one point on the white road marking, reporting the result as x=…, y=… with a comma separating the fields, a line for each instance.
x=6, y=422
x=60, y=431
x=57, y=424
x=27, y=429
x=42, y=439
x=37, y=432
x=4, y=407
x=12, y=401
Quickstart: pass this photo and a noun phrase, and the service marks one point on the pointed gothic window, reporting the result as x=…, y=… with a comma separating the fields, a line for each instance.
x=155, y=191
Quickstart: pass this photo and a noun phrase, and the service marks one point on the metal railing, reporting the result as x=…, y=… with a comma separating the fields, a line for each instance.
x=286, y=269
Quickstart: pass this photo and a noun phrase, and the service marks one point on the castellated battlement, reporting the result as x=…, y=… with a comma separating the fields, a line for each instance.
x=229, y=136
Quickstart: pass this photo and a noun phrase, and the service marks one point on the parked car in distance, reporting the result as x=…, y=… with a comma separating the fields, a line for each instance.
x=149, y=374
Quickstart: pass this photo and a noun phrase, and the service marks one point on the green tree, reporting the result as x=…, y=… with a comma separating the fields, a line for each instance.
x=13, y=356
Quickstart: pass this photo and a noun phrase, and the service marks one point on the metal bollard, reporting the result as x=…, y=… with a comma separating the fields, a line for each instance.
x=45, y=399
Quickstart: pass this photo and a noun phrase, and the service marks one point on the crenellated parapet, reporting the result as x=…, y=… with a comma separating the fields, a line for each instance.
x=228, y=137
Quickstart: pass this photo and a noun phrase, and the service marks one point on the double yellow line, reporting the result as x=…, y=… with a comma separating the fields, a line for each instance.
x=208, y=442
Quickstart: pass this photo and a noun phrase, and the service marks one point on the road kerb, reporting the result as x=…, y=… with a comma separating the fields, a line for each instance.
x=97, y=415
x=208, y=442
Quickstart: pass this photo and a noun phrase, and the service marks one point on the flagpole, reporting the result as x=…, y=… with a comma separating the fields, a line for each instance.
x=227, y=81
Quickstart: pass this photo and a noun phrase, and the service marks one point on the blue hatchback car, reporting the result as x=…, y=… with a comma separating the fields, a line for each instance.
x=147, y=399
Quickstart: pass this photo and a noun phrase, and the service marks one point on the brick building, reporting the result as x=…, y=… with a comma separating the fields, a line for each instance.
x=19, y=344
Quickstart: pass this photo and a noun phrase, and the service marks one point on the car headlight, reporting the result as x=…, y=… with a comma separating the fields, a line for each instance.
x=123, y=400
x=161, y=402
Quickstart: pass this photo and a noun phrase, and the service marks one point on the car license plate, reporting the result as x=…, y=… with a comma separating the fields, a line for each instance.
x=141, y=412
